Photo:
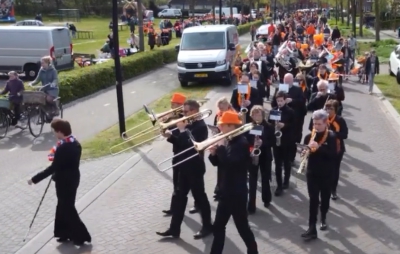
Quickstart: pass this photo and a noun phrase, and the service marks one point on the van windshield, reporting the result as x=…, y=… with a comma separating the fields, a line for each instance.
x=203, y=41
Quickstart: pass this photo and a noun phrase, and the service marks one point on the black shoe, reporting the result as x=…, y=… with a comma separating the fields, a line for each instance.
x=193, y=210
x=323, y=225
x=278, y=191
x=310, y=234
x=267, y=204
x=285, y=186
x=167, y=212
x=79, y=243
x=204, y=232
x=63, y=239
x=168, y=233
x=334, y=196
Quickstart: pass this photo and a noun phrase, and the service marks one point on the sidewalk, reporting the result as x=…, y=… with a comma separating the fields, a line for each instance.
x=363, y=221
x=23, y=157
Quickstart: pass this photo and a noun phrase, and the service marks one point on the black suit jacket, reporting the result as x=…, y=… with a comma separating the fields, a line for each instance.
x=298, y=103
x=288, y=118
x=255, y=99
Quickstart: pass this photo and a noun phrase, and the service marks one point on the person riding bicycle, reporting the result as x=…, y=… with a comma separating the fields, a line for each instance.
x=14, y=87
x=48, y=77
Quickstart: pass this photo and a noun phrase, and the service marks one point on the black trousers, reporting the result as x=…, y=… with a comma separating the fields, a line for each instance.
x=336, y=172
x=235, y=206
x=192, y=180
x=282, y=157
x=175, y=179
x=67, y=223
x=217, y=191
x=318, y=187
x=265, y=169
x=298, y=135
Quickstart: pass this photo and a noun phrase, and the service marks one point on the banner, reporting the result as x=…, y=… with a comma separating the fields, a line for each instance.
x=7, y=14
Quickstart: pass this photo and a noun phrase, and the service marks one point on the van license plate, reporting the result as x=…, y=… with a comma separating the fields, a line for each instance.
x=201, y=75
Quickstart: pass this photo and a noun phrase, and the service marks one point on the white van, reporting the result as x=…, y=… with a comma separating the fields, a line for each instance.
x=22, y=47
x=207, y=53
x=170, y=13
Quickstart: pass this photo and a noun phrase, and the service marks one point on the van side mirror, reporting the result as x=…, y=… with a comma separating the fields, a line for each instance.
x=177, y=48
x=232, y=46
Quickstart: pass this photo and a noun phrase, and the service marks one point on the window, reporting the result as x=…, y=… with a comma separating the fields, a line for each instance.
x=177, y=12
x=203, y=41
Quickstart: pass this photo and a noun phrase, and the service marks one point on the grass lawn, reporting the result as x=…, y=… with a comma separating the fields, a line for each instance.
x=100, y=29
x=346, y=30
x=100, y=145
x=383, y=48
x=390, y=89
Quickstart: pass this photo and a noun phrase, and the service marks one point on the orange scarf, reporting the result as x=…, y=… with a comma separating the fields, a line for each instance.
x=313, y=133
x=247, y=96
x=303, y=85
x=325, y=76
x=336, y=128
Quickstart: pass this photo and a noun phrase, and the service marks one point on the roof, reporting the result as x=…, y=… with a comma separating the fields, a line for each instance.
x=31, y=28
x=209, y=28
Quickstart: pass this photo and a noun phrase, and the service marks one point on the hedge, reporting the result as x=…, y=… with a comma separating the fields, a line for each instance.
x=82, y=82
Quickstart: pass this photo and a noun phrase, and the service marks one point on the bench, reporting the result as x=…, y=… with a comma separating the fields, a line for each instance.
x=84, y=34
x=122, y=25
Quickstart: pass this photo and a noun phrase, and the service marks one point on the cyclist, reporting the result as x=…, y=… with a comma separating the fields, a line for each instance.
x=14, y=88
x=48, y=77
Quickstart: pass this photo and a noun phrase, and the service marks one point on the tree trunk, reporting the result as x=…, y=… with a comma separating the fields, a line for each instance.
x=377, y=21
x=140, y=18
x=353, y=17
x=361, y=10
x=348, y=12
x=213, y=2
x=341, y=11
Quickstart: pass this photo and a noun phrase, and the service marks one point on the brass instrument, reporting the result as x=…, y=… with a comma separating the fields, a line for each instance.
x=243, y=110
x=256, y=152
x=327, y=99
x=278, y=133
x=115, y=150
x=202, y=146
x=153, y=119
x=285, y=64
x=304, y=159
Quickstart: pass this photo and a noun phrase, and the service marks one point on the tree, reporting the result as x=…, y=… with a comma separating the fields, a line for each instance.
x=361, y=14
x=377, y=21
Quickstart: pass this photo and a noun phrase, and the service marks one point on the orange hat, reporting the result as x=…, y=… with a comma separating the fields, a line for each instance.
x=333, y=76
x=178, y=98
x=229, y=117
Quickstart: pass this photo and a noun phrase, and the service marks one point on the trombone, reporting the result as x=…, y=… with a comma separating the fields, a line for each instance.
x=202, y=146
x=162, y=127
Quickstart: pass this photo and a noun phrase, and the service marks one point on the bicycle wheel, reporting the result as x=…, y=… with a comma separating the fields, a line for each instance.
x=36, y=121
x=4, y=125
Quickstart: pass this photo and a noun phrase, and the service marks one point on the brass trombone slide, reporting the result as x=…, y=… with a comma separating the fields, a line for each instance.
x=162, y=128
x=202, y=146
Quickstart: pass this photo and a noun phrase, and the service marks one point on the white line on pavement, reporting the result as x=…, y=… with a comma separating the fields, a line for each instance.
x=106, y=105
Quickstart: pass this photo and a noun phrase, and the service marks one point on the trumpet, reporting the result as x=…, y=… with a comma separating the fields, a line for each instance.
x=115, y=150
x=278, y=133
x=243, y=110
x=304, y=159
x=202, y=146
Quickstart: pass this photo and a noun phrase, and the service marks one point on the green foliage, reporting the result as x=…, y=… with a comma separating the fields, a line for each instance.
x=82, y=82
x=384, y=43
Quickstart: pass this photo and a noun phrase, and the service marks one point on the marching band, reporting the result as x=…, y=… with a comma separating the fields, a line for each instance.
x=247, y=137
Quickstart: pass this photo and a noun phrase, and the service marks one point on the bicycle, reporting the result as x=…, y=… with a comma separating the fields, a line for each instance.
x=38, y=114
x=6, y=117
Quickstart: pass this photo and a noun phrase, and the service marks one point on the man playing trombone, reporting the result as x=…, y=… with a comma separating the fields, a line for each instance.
x=320, y=152
x=233, y=158
x=264, y=143
x=177, y=101
x=191, y=172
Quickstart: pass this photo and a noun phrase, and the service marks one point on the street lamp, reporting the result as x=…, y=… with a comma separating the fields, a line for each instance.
x=118, y=71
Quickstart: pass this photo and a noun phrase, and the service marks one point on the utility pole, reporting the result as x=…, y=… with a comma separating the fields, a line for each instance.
x=118, y=71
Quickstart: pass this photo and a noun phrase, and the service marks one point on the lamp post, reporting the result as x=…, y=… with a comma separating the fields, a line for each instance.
x=118, y=71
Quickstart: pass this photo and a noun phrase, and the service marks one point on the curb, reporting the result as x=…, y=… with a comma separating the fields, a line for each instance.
x=387, y=107
x=42, y=238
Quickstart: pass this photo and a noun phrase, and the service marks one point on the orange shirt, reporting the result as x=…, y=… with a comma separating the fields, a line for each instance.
x=271, y=29
x=310, y=30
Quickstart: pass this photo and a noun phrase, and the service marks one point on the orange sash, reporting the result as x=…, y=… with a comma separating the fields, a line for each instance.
x=325, y=76
x=303, y=85
x=247, y=96
x=336, y=127
x=313, y=132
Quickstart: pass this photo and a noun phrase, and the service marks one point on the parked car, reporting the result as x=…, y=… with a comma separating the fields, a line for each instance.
x=394, y=63
x=31, y=22
x=170, y=13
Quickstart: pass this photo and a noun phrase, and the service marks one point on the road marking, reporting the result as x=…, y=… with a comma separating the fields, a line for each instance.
x=133, y=92
x=13, y=149
x=106, y=105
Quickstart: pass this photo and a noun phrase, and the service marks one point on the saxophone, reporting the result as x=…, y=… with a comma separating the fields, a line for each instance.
x=278, y=133
x=304, y=159
x=243, y=110
x=255, y=153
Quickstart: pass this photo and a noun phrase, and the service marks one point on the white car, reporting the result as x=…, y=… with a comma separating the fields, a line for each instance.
x=170, y=13
x=394, y=63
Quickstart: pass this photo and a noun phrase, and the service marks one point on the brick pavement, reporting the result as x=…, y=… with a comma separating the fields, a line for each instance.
x=22, y=156
x=364, y=220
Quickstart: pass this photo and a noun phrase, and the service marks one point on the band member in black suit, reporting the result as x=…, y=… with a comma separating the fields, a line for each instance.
x=322, y=74
x=223, y=106
x=233, y=158
x=295, y=100
x=322, y=155
x=337, y=90
x=318, y=99
x=285, y=64
x=177, y=101
x=65, y=157
x=264, y=161
x=191, y=175
x=337, y=125
x=282, y=147
x=247, y=100
x=260, y=85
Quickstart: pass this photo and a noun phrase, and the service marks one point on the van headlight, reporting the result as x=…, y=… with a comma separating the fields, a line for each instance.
x=221, y=62
x=181, y=64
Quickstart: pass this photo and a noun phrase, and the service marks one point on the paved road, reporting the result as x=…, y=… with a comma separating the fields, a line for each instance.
x=23, y=156
x=364, y=220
